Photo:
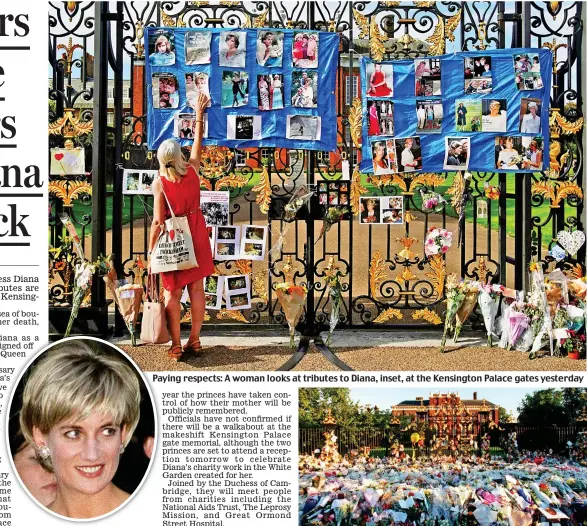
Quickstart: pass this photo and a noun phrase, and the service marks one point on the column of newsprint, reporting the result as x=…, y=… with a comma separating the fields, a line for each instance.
x=23, y=217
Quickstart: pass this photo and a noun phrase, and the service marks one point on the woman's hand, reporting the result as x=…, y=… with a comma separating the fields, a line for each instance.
x=200, y=104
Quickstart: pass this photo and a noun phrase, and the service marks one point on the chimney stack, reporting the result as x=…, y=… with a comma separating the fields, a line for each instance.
x=475, y=395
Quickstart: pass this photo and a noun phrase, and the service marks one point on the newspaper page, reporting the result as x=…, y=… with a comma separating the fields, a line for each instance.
x=387, y=328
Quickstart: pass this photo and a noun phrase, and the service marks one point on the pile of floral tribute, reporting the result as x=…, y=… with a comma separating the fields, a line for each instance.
x=367, y=491
x=551, y=316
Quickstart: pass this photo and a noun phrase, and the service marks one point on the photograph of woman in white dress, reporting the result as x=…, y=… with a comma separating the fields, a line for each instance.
x=530, y=116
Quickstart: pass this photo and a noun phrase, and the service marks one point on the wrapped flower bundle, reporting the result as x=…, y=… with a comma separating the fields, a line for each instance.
x=128, y=297
x=456, y=292
x=333, y=215
x=489, y=304
x=432, y=201
x=466, y=308
x=438, y=241
x=292, y=299
x=84, y=275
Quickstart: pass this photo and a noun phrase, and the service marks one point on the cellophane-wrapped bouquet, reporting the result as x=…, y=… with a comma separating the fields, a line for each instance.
x=292, y=299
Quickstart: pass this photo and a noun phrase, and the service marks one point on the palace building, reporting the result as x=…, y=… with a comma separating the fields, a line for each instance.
x=448, y=414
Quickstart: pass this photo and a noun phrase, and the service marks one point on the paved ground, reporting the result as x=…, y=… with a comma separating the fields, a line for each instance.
x=362, y=351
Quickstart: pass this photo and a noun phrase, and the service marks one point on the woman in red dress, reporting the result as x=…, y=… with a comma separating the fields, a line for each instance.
x=374, y=128
x=378, y=84
x=181, y=184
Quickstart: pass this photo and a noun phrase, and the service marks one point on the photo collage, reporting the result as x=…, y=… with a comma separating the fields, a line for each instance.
x=471, y=115
x=334, y=193
x=138, y=181
x=240, y=242
x=230, y=292
x=237, y=79
x=381, y=210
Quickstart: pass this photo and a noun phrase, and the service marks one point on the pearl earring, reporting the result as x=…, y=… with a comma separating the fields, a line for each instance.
x=44, y=452
x=121, y=449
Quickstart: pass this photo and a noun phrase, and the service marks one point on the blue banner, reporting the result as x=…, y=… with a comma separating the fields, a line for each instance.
x=268, y=87
x=479, y=111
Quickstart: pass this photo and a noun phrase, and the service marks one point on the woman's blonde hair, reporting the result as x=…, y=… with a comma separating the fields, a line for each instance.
x=75, y=379
x=165, y=40
x=171, y=162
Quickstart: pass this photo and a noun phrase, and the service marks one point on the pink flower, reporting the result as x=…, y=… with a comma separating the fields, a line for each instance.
x=445, y=249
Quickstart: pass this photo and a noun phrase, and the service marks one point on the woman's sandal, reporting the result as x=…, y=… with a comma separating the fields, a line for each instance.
x=175, y=353
x=193, y=347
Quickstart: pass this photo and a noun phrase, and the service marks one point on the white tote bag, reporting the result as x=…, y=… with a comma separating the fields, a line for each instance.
x=174, y=249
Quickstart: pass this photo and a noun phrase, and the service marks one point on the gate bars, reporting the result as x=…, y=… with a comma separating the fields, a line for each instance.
x=109, y=87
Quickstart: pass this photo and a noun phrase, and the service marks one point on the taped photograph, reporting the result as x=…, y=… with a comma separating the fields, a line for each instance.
x=215, y=207
x=303, y=127
x=494, y=115
x=409, y=154
x=379, y=80
x=197, y=84
x=456, y=153
x=197, y=47
x=305, y=49
x=270, y=48
x=380, y=117
x=429, y=113
x=233, y=49
x=380, y=154
x=527, y=71
x=428, y=82
x=304, y=89
x=162, y=48
x=270, y=92
x=165, y=89
x=243, y=127
x=235, y=89
x=530, y=115
x=468, y=115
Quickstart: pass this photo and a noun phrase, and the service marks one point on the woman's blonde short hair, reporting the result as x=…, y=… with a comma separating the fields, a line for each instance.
x=165, y=40
x=171, y=162
x=77, y=379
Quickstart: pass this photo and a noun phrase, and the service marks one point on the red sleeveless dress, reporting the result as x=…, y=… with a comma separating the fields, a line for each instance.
x=184, y=197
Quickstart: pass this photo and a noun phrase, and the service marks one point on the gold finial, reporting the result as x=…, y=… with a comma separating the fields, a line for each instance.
x=329, y=420
x=288, y=269
x=67, y=56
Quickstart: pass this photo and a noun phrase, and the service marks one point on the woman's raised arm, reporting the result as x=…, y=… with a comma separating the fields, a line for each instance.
x=200, y=106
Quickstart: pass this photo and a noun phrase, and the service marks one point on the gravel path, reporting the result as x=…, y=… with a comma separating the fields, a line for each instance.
x=269, y=358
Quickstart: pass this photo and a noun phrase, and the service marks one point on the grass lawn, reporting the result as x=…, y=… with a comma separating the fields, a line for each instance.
x=542, y=212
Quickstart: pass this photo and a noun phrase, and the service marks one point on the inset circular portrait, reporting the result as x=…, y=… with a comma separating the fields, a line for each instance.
x=81, y=428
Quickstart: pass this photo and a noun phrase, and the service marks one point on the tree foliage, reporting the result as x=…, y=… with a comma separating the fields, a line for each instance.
x=314, y=403
x=552, y=407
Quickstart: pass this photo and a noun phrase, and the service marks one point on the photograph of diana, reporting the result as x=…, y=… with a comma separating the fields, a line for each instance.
x=86, y=415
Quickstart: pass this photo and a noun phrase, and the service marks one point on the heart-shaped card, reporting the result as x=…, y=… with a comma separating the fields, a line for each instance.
x=571, y=241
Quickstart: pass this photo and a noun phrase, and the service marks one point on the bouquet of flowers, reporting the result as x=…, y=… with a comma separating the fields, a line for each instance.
x=467, y=306
x=333, y=215
x=128, y=297
x=455, y=295
x=491, y=192
x=523, y=316
x=489, y=304
x=301, y=196
x=438, y=241
x=432, y=201
x=84, y=275
x=292, y=298
x=333, y=278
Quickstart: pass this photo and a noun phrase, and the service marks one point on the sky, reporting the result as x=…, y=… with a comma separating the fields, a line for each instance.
x=385, y=398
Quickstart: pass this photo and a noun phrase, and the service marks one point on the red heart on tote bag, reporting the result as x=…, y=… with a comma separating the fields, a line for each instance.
x=58, y=156
x=171, y=234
